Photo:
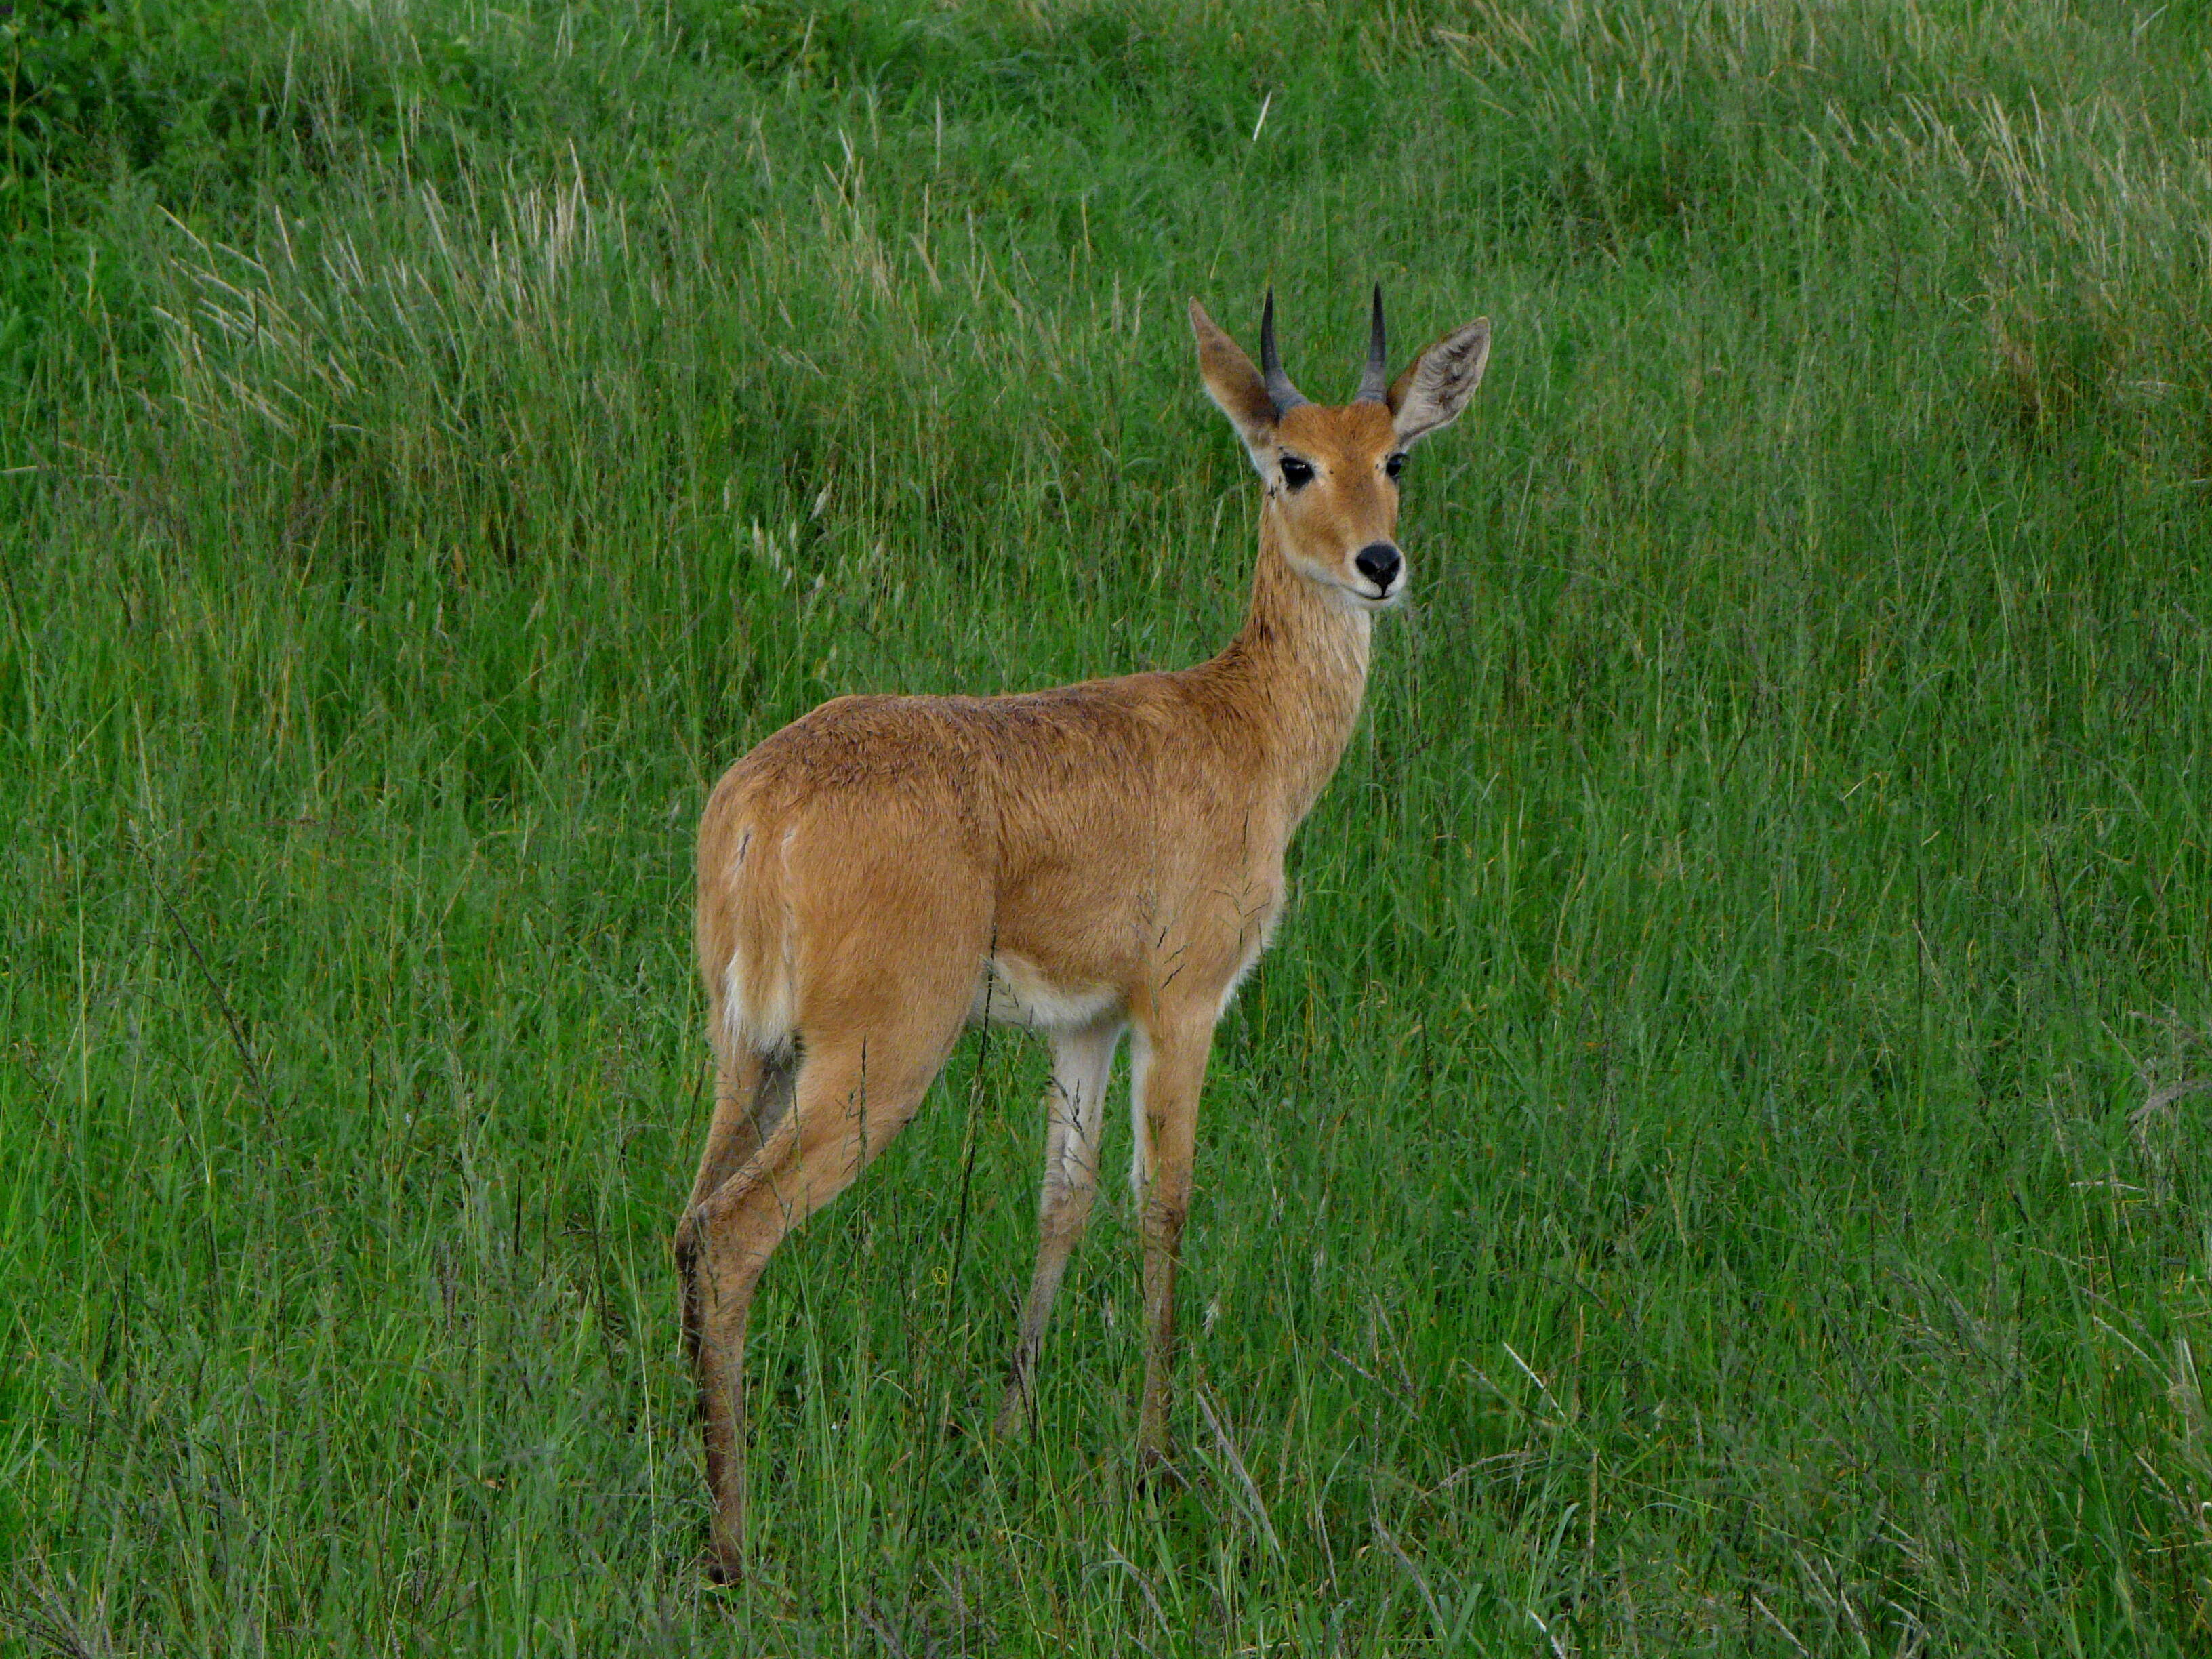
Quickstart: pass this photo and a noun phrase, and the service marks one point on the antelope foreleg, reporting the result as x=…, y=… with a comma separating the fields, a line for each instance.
x=1074, y=1101
x=1167, y=1118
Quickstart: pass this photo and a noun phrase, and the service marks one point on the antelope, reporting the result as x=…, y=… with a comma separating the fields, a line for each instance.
x=1084, y=861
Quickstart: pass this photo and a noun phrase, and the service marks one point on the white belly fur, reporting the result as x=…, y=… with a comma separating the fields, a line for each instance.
x=1011, y=992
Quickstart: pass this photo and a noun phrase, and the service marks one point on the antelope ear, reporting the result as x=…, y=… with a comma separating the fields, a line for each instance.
x=1235, y=385
x=1437, y=384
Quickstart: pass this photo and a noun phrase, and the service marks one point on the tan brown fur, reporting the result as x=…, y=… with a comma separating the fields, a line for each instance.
x=1115, y=848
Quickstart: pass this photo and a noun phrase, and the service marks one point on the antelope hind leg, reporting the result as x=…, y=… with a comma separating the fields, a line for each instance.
x=850, y=1096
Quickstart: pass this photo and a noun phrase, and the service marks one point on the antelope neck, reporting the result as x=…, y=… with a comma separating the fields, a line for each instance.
x=1296, y=673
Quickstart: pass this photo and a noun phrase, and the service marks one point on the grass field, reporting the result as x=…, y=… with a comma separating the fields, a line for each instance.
x=1675, y=1186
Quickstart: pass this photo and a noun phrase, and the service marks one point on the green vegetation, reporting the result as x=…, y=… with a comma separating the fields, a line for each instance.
x=1674, y=1188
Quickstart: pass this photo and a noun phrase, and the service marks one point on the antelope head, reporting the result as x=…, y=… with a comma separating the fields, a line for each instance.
x=1332, y=473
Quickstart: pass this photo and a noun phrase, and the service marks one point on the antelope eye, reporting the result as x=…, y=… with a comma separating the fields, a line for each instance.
x=1393, y=465
x=1297, y=473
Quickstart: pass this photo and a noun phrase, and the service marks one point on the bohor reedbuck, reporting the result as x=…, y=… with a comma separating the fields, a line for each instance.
x=1084, y=861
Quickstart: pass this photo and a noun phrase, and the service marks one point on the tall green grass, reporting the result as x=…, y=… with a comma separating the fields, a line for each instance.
x=1713, y=1163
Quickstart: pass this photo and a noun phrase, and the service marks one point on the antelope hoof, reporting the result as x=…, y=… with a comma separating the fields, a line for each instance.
x=1156, y=1469
x=726, y=1555
x=1015, y=1413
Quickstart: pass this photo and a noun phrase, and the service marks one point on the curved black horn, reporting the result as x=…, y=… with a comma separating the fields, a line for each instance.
x=1280, y=392
x=1375, y=381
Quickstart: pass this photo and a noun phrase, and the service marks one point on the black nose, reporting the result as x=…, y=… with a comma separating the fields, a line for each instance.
x=1380, y=563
